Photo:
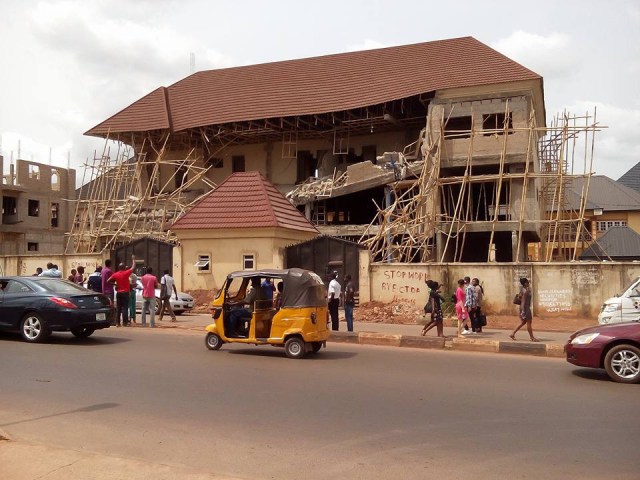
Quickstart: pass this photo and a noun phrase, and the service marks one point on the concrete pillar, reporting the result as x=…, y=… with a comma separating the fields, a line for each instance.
x=514, y=246
x=364, y=275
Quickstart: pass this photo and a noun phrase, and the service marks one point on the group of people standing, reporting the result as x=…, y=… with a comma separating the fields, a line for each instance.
x=334, y=294
x=121, y=285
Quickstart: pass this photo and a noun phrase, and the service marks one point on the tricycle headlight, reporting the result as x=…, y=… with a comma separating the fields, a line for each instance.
x=584, y=339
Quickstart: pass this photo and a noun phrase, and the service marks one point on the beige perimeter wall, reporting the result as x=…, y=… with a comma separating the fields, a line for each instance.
x=27, y=264
x=572, y=290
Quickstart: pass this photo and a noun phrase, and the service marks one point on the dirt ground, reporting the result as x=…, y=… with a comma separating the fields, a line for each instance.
x=402, y=313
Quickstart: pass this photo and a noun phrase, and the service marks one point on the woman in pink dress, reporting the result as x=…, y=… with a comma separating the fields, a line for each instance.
x=461, y=310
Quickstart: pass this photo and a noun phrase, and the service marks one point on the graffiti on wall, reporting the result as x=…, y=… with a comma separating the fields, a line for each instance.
x=406, y=286
x=555, y=300
x=581, y=277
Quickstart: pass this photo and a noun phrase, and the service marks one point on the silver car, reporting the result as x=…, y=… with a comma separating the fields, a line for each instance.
x=184, y=303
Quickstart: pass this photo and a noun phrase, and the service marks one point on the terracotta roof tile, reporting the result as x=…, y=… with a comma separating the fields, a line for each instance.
x=244, y=200
x=318, y=85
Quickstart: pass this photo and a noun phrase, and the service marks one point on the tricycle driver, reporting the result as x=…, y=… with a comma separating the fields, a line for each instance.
x=239, y=314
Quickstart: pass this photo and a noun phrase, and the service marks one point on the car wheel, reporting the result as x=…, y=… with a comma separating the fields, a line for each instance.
x=33, y=328
x=622, y=364
x=178, y=312
x=83, y=332
x=158, y=305
x=316, y=346
x=213, y=341
x=294, y=347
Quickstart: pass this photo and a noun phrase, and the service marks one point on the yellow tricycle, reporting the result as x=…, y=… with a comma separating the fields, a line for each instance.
x=283, y=308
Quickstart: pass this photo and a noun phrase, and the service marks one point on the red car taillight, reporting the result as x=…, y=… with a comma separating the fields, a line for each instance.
x=63, y=302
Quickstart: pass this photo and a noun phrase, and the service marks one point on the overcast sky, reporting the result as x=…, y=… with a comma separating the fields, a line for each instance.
x=69, y=65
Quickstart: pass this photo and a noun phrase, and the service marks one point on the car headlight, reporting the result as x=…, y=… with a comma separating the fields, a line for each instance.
x=584, y=339
x=611, y=307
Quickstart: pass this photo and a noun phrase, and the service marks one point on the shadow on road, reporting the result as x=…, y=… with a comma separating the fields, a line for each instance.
x=591, y=374
x=64, y=338
x=90, y=408
x=279, y=352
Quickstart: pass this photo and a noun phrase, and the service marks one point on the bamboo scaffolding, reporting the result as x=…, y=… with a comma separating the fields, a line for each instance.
x=134, y=195
x=403, y=232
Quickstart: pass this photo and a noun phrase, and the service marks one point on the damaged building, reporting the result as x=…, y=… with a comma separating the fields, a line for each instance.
x=425, y=152
x=37, y=207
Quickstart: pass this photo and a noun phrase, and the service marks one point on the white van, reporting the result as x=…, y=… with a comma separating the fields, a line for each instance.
x=622, y=308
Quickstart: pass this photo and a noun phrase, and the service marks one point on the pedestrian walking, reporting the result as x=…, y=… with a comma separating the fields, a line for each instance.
x=525, y=315
x=435, y=301
x=167, y=285
x=149, y=285
x=94, y=281
x=123, y=288
x=461, y=311
x=334, y=300
x=349, y=302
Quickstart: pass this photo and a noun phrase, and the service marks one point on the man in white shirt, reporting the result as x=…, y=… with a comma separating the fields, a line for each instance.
x=334, y=300
x=166, y=286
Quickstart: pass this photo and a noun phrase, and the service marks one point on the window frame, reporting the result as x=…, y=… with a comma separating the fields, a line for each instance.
x=203, y=264
x=33, y=208
x=245, y=258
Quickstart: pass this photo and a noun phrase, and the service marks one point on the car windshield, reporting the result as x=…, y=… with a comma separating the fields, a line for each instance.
x=54, y=285
x=633, y=292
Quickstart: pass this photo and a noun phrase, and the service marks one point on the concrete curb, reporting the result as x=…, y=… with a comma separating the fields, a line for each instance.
x=463, y=344
x=455, y=343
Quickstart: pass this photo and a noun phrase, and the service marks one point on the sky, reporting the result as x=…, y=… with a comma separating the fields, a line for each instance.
x=68, y=65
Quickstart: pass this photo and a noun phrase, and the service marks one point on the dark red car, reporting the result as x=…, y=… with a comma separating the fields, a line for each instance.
x=614, y=347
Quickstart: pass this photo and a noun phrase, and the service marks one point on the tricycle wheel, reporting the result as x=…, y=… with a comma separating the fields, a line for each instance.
x=213, y=341
x=316, y=346
x=294, y=347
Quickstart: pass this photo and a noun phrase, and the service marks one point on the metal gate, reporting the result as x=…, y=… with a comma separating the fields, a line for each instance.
x=149, y=252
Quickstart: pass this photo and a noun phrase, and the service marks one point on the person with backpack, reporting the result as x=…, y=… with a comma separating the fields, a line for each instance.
x=434, y=308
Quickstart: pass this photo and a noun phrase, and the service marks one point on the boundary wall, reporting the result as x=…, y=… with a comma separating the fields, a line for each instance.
x=560, y=289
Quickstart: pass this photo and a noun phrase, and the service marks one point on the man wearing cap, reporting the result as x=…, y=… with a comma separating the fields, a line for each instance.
x=334, y=300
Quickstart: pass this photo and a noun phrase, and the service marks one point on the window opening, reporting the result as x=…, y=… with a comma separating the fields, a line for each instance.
x=9, y=206
x=237, y=163
x=34, y=208
x=34, y=171
x=458, y=127
x=55, y=210
x=496, y=122
x=32, y=246
x=55, y=180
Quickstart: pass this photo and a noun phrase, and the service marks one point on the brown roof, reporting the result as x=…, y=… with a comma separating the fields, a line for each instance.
x=244, y=200
x=316, y=85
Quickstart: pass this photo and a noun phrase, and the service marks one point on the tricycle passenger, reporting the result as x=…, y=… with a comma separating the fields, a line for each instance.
x=238, y=314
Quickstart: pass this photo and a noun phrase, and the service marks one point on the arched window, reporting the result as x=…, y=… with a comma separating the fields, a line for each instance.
x=55, y=180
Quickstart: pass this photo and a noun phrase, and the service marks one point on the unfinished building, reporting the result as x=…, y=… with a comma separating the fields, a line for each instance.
x=37, y=207
x=425, y=152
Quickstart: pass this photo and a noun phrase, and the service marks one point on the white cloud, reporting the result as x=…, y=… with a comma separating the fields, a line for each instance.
x=617, y=147
x=366, y=44
x=549, y=56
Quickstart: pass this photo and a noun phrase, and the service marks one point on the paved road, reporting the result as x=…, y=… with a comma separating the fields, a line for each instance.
x=350, y=412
